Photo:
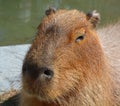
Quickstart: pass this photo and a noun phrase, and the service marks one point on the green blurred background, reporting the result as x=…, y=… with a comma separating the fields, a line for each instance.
x=19, y=18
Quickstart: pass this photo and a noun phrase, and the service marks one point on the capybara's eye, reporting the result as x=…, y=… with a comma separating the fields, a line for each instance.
x=79, y=38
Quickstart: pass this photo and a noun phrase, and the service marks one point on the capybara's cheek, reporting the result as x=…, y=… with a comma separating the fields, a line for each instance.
x=62, y=83
x=66, y=77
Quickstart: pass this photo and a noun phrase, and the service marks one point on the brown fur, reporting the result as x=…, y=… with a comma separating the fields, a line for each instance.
x=82, y=74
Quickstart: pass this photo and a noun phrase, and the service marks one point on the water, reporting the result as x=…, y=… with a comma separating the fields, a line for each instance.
x=20, y=18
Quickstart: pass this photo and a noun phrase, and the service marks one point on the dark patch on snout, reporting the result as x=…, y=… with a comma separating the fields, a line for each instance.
x=33, y=71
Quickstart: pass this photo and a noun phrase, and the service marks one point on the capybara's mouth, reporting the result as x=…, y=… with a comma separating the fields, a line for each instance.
x=38, y=89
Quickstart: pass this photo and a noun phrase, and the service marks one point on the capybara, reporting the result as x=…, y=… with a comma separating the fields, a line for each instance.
x=67, y=65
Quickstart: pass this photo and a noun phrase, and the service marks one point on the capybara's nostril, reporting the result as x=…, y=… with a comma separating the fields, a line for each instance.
x=47, y=73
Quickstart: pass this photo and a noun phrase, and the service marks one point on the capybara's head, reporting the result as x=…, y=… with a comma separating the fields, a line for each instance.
x=64, y=56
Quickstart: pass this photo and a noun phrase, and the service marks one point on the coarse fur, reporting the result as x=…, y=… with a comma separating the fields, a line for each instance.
x=86, y=73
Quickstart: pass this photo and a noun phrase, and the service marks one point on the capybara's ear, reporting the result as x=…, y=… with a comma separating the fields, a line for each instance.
x=93, y=17
x=51, y=10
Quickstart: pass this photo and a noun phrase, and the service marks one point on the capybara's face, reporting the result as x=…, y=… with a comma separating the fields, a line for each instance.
x=63, y=57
